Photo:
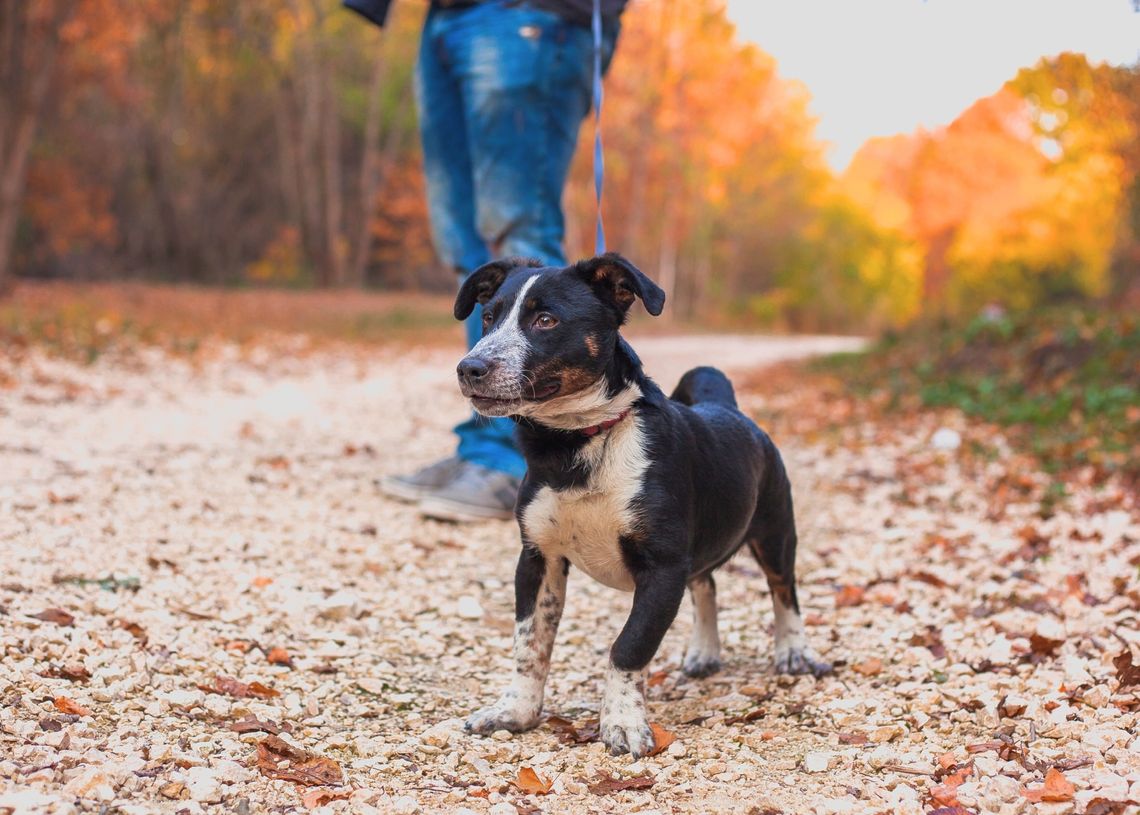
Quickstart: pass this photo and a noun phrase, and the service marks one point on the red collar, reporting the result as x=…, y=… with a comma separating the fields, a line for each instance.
x=594, y=430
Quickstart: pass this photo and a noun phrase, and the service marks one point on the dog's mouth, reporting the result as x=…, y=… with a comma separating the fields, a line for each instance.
x=540, y=392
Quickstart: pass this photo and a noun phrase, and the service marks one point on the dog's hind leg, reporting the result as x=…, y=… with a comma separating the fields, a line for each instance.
x=540, y=591
x=772, y=539
x=702, y=657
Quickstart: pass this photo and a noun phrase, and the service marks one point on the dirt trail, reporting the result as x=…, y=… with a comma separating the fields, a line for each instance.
x=228, y=509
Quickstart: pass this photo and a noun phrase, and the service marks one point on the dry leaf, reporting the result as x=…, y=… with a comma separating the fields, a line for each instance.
x=1127, y=673
x=569, y=733
x=55, y=615
x=1056, y=788
x=930, y=579
x=277, y=758
x=868, y=667
x=261, y=582
x=849, y=596
x=228, y=686
x=750, y=716
x=65, y=705
x=662, y=738
x=251, y=724
x=1044, y=646
x=529, y=782
x=134, y=629
x=656, y=679
x=73, y=672
x=319, y=797
x=853, y=738
x=606, y=784
x=279, y=656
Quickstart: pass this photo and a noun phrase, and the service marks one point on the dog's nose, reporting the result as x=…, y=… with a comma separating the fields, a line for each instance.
x=472, y=369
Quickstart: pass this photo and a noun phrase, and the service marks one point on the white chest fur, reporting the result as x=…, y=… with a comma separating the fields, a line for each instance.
x=584, y=524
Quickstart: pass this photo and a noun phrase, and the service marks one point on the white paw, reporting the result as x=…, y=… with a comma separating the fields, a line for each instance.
x=627, y=731
x=800, y=659
x=512, y=712
x=699, y=664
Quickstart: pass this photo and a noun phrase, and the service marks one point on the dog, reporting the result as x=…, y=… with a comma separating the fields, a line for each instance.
x=641, y=492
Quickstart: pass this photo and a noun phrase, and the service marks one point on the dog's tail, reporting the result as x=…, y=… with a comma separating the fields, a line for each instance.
x=704, y=384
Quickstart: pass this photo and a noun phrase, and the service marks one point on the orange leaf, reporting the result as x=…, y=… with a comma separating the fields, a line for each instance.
x=849, y=596
x=531, y=783
x=1057, y=788
x=319, y=797
x=656, y=679
x=945, y=795
x=868, y=667
x=261, y=582
x=662, y=738
x=279, y=656
x=65, y=705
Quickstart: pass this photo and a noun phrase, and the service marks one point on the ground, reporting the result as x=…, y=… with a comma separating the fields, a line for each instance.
x=192, y=542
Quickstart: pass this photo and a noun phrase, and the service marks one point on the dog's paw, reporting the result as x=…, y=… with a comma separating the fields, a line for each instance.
x=700, y=665
x=800, y=660
x=628, y=733
x=505, y=714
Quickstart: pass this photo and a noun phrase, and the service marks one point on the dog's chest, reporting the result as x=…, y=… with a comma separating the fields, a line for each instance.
x=585, y=524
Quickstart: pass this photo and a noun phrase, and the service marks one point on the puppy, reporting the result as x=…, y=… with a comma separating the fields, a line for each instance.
x=641, y=492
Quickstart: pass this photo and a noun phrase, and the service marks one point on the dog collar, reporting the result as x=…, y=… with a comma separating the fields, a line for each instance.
x=594, y=430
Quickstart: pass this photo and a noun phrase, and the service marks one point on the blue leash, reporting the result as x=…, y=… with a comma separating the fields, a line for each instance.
x=599, y=159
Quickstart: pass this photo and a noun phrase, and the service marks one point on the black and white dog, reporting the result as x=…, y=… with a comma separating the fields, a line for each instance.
x=643, y=493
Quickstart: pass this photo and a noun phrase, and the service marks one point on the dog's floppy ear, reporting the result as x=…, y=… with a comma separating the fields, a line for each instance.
x=617, y=281
x=481, y=285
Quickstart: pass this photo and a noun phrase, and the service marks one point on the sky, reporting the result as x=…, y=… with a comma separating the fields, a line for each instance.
x=880, y=67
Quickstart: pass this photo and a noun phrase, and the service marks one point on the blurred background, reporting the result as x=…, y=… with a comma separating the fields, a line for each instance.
x=268, y=143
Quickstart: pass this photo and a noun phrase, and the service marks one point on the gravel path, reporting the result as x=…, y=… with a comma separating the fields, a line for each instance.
x=167, y=527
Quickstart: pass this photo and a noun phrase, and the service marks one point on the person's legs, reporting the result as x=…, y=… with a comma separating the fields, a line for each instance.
x=527, y=79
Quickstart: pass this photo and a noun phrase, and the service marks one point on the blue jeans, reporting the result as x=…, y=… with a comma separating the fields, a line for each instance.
x=501, y=88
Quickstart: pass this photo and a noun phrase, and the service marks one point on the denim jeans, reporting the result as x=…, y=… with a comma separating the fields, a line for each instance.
x=501, y=88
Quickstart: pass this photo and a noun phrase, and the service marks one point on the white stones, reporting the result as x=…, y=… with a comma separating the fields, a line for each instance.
x=406, y=805
x=203, y=784
x=92, y=782
x=816, y=762
x=468, y=608
x=946, y=438
x=340, y=605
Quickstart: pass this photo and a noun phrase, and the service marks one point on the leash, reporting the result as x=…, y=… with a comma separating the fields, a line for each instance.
x=599, y=159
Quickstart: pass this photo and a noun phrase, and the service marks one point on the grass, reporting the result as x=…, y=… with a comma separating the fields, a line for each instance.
x=85, y=321
x=1065, y=383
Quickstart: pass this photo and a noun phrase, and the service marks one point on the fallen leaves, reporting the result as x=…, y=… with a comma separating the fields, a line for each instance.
x=319, y=797
x=608, y=784
x=65, y=705
x=134, y=629
x=279, y=656
x=849, y=596
x=228, y=686
x=662, y=738
x=569, y=733
x=1056, y=788
x=55, y=615
x=277, y=758
x=529, y=782
x=868, y=667
x=252, y=724
x=1127, y=673
x=1043, y=646
x=72, y=672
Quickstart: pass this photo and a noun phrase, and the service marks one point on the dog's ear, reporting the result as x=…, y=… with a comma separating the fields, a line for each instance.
x=615, y=280
x=480, y=286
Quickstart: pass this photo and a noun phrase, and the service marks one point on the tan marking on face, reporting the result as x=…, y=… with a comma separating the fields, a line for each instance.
x=592, y=345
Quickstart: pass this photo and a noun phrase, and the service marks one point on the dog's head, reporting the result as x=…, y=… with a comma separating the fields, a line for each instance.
x=548, y=333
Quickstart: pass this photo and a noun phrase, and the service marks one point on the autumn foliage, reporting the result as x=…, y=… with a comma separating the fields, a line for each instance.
x=275, y=143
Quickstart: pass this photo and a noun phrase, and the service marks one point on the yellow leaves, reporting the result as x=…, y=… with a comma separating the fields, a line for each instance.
x=529, y=782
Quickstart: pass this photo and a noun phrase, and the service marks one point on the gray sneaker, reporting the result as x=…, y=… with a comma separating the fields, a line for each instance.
x=422, y=482
x=477, y=494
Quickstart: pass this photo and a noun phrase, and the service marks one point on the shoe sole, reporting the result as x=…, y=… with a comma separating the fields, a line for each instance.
x=441, y=509
x=401, y=491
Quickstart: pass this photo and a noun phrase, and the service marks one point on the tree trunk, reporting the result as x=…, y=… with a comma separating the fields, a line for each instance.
x=368, y=172
x=28, y=64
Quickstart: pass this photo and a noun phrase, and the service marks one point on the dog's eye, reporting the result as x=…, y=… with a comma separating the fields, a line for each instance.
x=488, y=318
x=545, y=321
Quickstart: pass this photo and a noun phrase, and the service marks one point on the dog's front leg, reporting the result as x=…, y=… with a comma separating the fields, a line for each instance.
x=540, y=590
x=656, y=598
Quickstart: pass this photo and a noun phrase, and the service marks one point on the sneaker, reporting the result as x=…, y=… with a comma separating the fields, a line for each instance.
x=477, y=494
x=422, y=482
